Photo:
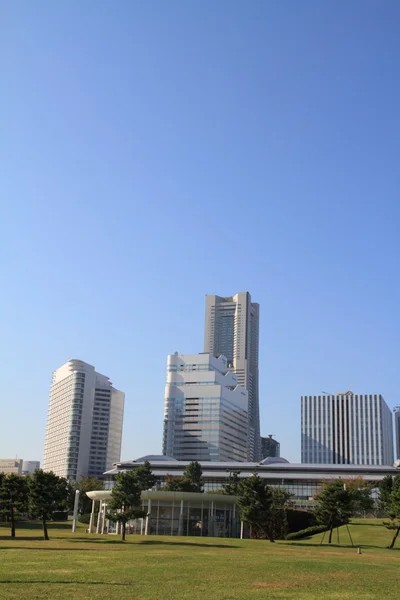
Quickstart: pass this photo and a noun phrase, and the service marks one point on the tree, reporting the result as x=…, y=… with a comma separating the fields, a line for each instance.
x=125, y=499
x=13, y=497
x=232, y=486
x=339, y=500
x=145, y=477
x=390, y=498
x=255, y=502
x=190, y=481
x=48, y=494
x=194, y=473
x=281, y=501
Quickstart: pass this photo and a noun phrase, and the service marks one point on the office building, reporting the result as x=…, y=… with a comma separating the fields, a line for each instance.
x=205, y=416
x=397, y=430
x=29, y=466
x=84, y=427
x=11, y=465
x=232, y=329
x=346, y=428
x=270, y=448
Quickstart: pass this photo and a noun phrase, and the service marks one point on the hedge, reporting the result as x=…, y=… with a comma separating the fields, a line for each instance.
x=299, y=535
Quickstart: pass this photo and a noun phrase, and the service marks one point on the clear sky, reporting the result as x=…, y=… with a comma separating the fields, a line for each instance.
x=152, y=152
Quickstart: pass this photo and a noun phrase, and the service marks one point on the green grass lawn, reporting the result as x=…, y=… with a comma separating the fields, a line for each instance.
x=86, y=566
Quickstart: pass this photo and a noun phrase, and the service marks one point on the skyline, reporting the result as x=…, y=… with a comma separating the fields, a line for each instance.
x=157, y=153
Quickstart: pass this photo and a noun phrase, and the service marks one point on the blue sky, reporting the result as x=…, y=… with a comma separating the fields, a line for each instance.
x=153, y=152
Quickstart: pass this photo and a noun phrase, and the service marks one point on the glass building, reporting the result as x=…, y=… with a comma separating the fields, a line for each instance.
x=346, y=428
x=205, y=416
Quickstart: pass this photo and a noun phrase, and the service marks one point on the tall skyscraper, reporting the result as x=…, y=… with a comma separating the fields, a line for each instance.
x=84, y=426
x=232, y=329
x=346, y=429
x=205, y=415
x=397, y=430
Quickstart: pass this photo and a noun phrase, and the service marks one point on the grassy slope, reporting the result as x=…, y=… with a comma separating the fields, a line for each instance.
x=172, y=568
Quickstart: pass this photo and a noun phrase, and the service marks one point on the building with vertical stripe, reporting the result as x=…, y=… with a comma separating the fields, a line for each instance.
x=346, y=429
x=232, y=330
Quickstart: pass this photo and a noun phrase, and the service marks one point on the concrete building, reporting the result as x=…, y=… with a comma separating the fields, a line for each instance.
x=270, y=448
x=232, y=329
x=397, y=430
x=84, y=427
x=302, y=481
x=205, y=416
x=346, y=428
x=11, y=465
x=29, y=466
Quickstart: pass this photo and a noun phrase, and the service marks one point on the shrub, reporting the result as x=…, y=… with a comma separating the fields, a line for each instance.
x=60, y=515
x=308, y=532
x=85, y=519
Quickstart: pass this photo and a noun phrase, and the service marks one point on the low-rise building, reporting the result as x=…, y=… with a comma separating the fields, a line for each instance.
x=11, y=465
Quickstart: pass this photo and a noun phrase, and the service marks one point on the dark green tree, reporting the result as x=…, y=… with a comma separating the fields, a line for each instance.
x=390, y=499
x=145, y=477
x=231, y=487
x=194, y=474
x=190, y=481
x=255, y=503
x=13, y=498
x=48, y=494
x=335, y=505
x=278, y=520
x=125, y=499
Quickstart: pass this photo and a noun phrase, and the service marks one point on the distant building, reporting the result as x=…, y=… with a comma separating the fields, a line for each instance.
x=232, y=329
x=205, y=416
x=84, y=427
x=11, y=465
x=29, y=466
x=346, y=429
x=397, y=430
x=270, y=448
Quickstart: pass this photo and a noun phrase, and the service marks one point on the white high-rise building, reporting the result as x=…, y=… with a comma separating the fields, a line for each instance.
x=205, y=415
x=232, y=329
x=346, y=428
x=84, y=426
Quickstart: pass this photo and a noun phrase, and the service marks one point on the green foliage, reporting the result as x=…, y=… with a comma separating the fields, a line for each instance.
x=339, y=500
x=232, y=486
x=145, y=477
x=261, y=507
x=13, y=498
x=390, y=499
x=308, y=532
x=48, y=494
x=125, y=496
x=85, y=519
x=191, y=481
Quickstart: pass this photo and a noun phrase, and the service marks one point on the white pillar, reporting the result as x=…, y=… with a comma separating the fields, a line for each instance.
x=103, y=520
x=146, y=529
x=241, y=529
x=99, y=518
x=180, y=524
x=91, y=522
x=76, y=506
